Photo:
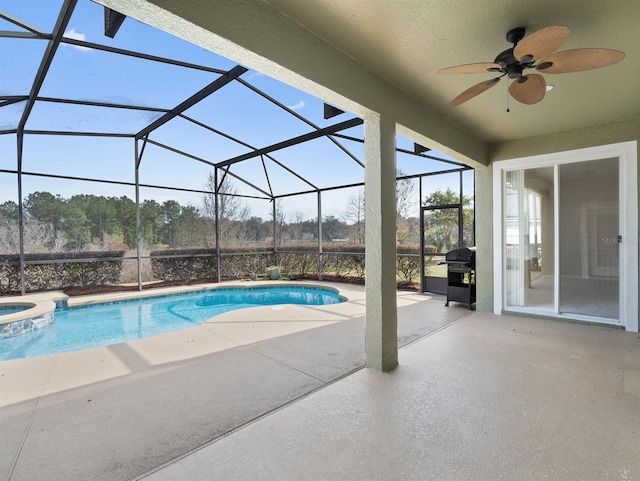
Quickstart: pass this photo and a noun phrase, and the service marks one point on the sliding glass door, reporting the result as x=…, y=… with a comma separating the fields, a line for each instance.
x=561, y=236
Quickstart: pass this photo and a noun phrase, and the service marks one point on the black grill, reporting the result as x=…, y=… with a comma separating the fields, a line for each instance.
x=461, y=275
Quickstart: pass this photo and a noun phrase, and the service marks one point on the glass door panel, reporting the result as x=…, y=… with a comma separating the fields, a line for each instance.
x=589, y=274
x=529, y=239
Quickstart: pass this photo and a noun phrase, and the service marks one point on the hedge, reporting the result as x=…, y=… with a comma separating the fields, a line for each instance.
x=200, y=264
x=59, y=270
x=183, y=264
x=49, y=271
x=342, y=260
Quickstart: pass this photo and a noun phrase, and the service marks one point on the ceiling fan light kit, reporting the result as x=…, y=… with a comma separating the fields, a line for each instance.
x=533, y=52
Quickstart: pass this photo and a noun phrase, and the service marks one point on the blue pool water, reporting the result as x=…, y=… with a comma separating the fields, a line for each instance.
x=11, y=309
x=103, y=324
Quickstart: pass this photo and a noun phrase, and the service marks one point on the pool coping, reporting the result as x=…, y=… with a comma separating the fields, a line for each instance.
x=91, y=299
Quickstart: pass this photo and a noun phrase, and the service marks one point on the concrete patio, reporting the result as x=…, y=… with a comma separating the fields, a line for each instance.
x=279, y=394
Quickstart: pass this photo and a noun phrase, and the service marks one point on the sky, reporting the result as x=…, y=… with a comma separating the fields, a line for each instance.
x=83, y=73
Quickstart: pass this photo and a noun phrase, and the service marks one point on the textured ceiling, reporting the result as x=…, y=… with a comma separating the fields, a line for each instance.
x=407, y=41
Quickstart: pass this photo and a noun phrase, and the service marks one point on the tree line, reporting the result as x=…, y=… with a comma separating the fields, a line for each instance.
x=52, y=223
x=94, y=222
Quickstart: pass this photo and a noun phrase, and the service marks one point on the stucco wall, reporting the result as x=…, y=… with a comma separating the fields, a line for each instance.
x=621, y=131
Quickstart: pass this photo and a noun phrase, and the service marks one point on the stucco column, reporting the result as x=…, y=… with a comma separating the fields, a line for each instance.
x=381, y=337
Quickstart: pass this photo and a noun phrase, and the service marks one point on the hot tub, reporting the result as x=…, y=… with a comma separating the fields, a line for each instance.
x=19, y=317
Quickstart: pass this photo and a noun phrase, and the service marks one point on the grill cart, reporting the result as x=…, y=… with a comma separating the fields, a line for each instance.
x=461, y=275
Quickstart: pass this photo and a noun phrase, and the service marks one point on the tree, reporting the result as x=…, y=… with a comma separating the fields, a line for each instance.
x=280, y=222
x=40, y=237
x=295, y=227
x=404, y=195
x=355, y=210
x=256, y=229
x=192, y=231
x=9, y=211
x=75, y=228
x=309, y=229
x=354, y=213
x=151, y=221
x=411, y=226
x=333, y=228
x=230, y=209
x=9, y=236
x=44, y=207
x=125, y=211
x=171, y=213
x=441, y=225
x=101, y=217
x=43, y=216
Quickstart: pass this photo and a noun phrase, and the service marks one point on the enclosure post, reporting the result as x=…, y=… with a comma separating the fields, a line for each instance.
x=461, y=215
x=381, y=335
x=137, y=177
x=275, y=242
x=20, y=140
x=216, y=218
x=421, y=213
x=473, y=231
x=320, y=263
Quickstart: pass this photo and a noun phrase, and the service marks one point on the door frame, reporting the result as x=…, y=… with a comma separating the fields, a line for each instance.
x=627, y=155
x=438, y=285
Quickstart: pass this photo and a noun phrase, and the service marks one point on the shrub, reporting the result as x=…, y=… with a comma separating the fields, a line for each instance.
x=184, y=264
x=59, y=270
x=201, y=264
x=408, y=263
x=239, y=265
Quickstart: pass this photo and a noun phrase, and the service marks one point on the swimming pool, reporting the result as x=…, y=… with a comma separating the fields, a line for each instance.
x=96, y=325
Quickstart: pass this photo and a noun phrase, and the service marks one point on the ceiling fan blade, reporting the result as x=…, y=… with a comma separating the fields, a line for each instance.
x=473, y=91
x=472, y=68
x=580, y=59
x=541, y=43
x=530, y=91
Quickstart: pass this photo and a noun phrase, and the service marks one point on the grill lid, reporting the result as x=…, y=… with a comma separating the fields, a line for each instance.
x=462, y=255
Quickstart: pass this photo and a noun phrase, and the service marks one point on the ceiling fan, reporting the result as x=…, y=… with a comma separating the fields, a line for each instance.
x=533, y=52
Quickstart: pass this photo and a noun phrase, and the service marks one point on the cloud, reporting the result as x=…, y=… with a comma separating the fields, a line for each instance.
x=76, y=36
x=254, y=75
x=297, y=106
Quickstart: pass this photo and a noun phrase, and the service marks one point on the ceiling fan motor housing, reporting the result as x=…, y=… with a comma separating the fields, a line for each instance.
x=510, y=65
x=515, y=35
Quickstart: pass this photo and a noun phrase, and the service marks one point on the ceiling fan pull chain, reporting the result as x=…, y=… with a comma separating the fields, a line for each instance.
x=507, y=84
